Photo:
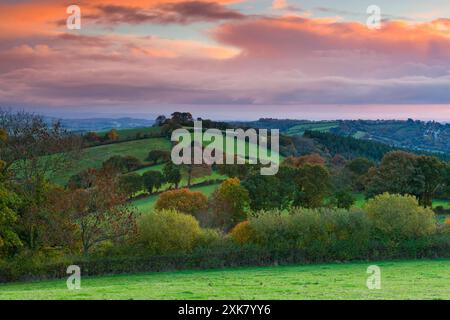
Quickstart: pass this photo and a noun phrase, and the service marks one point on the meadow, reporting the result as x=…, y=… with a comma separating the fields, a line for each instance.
x=93, y=157
x=421, y=279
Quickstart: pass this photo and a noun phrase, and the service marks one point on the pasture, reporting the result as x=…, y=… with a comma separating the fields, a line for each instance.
x=94, y=157
x=422, y=279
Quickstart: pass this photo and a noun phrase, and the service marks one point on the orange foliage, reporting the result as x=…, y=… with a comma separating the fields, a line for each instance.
x=182, y=200
x=447, y=222
x=312, y=159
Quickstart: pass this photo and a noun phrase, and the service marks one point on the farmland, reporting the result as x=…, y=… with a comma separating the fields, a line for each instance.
x=94, y=157
x=399, y=280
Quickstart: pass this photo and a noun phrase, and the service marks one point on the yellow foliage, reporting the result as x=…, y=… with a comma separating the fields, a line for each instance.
x=241, y=233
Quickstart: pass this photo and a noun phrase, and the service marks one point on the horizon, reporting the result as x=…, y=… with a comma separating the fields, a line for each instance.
x=312, y=113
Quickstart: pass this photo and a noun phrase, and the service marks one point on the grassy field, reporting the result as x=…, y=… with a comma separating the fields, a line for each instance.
x=317, y=126
x=94, y=157
x=399, y=280
x=147, y=204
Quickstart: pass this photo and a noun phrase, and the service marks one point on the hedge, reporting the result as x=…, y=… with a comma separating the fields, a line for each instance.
x=437, y=246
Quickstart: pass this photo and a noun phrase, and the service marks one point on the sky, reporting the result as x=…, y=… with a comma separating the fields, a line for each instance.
x=227, y=59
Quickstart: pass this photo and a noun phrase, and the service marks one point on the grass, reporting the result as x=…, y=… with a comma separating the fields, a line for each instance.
x=146, y=205
x=94, y=157
x=316, y=126
x=424, y=279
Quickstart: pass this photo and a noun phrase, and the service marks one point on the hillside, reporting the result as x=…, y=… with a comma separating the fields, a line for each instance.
x=410, y=134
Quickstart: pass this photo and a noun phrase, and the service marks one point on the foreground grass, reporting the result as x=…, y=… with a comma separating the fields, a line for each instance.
x=399, y=280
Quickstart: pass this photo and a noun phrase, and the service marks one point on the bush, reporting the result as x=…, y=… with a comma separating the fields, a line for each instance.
x=209, y=238
x=321, y=233
x=183, y=200
x=168, y=231
x=241, y=233
x=397, y=217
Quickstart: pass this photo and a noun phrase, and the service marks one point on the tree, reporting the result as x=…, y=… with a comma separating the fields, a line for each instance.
x=182, y=118
x=266, y=192
x=122, y=164
x=405, y=173
x=432, y=171
x=130, y=184
x=83, y=179
x=43, y=220
x=9, y=204
x=230, y=203
x=313, y=183
x=131, y=163
x=92, y=137
x=112, y=135
x=172, y=174
x=152, y=180
x=101, y=212
x=397, y=174
x=155, y=156
x=297, y=162
x=360, y=166
x=343, y=199
x=183, y=200
x=115, y=163
x=357, y=171
x=160, y=120
x=34, y=148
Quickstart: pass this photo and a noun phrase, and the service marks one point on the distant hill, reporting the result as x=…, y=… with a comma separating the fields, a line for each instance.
x=102, y=124
x=416, y=135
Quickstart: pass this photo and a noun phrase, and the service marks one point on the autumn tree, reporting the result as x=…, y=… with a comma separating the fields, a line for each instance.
x=101, y=212
x=311, y=159
x=112, y=135
x=35, y=148
x=230, y=203
x=183, y=200
x=83, y=179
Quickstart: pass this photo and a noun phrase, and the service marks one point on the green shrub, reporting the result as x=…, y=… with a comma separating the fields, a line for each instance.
x=320, y=233
x=168, y=231
x=397, y=217
x=209, y=238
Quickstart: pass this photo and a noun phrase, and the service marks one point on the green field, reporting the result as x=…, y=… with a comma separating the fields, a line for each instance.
x=94, y=157
x=427, y=279
x=316, y=126
x=147, y=204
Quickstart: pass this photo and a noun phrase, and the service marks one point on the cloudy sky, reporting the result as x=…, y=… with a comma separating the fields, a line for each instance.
x=227, y=57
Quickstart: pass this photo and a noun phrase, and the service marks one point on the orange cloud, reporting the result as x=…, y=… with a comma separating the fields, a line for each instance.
x=40, y=17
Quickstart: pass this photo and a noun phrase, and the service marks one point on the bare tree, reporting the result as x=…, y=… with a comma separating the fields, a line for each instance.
x=33, y=147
